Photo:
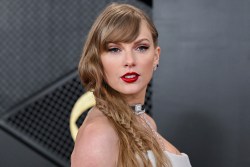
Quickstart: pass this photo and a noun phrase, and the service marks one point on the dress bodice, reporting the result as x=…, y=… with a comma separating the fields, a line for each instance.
x=176, y=160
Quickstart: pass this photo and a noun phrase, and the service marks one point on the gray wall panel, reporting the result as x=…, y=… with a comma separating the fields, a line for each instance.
x=13, y=153
x=202, y=87
x=41, y=43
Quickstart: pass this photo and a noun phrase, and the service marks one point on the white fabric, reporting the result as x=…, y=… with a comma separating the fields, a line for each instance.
x=176, y=160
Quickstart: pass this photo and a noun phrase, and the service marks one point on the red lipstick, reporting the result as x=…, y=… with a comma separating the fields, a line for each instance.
x=130, y=77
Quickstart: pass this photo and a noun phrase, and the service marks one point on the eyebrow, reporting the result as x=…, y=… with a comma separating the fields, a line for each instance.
x=140, y=40
x=135, y=42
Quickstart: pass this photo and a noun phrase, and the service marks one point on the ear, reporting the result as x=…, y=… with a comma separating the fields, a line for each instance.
x=157, y=56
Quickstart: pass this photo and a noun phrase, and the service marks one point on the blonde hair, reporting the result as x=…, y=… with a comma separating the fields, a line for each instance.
x=119, y=23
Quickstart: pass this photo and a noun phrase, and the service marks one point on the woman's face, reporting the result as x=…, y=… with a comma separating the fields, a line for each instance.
x=128, y=67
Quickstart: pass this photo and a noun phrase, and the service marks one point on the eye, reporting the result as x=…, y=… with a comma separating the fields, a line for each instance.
x=142, y=48
x=114, y=50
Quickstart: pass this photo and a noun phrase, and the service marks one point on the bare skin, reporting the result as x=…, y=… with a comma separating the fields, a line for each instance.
x=97, y=142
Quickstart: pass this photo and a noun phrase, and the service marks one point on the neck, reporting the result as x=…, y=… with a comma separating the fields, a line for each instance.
x=137, y=98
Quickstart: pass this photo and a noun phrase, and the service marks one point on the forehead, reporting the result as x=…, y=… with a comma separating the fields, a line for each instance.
x=145, y=32
x=126, y=31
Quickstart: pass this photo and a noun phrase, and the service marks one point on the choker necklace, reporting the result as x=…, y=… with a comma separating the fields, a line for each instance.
x=138, y=109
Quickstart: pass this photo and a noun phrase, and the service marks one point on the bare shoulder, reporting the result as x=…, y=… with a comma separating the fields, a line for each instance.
x=151, y=121
x=96, y=143
x=170, y=147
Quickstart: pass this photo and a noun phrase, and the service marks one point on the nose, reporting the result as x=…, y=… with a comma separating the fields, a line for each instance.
x=130, y=59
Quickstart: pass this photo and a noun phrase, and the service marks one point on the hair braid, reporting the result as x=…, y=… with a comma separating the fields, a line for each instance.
x=125, y=123
x=121, y=116
x=134, y=139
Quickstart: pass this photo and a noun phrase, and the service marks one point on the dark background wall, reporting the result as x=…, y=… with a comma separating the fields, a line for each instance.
x=41, y=43
x=201, y=95
x=201, y=90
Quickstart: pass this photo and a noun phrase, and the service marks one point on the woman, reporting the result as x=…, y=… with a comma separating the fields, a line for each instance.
x=119, y=57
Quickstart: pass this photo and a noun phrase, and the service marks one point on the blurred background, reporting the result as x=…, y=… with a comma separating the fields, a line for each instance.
x=199, y=96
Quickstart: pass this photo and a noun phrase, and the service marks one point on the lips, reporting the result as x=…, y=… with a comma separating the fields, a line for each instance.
x=130, y=77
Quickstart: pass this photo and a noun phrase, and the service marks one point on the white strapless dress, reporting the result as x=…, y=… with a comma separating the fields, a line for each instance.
x=176, y=160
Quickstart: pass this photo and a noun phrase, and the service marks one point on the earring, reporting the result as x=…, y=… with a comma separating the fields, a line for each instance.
x=155, y=67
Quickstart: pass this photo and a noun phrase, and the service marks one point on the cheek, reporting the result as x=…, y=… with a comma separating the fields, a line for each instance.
x=148, y=64
x=147, y=69
x=106, y=64
x=109, y=68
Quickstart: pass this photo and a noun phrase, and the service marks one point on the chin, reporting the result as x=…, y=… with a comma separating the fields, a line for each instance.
x=132, y=91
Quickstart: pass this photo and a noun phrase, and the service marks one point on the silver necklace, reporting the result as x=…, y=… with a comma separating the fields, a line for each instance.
x=139, y=110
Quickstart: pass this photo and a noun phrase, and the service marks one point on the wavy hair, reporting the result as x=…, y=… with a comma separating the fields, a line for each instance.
x=119, y=23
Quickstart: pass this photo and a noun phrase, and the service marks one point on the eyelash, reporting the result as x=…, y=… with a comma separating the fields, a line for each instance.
x=141, y=48
x=114, y=50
